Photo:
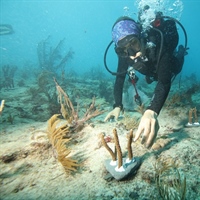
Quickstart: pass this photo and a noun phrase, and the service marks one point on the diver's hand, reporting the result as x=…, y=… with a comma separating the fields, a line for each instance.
x=148, y=127
x=114, y=113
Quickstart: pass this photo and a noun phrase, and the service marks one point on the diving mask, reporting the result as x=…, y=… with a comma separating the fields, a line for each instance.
x=128, y=47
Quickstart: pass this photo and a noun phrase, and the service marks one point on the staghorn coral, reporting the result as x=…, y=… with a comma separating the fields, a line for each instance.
x=129, y=147
x=192, y=111
x=57, y=136
x=118, y=148
x=104, y=143
x=170, y=184
x=119, y=151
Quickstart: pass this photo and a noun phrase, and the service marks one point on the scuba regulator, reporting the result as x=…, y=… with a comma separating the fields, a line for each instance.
x=133, y=79
x=164, y=17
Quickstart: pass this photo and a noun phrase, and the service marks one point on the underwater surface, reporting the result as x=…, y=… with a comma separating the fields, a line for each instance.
x=57, y=93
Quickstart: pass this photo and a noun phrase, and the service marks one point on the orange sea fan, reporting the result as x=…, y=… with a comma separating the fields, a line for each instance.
x=56, y=135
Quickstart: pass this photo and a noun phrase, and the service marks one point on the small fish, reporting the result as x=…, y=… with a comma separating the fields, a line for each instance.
x=6, y=29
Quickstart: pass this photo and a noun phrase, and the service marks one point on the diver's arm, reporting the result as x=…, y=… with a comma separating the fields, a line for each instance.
x=119, y=82
x=118, y=89
x=163, y=86
x=149, y=125
x=159, y=97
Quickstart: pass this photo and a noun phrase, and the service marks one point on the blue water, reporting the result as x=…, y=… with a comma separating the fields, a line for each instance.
x=86, y=27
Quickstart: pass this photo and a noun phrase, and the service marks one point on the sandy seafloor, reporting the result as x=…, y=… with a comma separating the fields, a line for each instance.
x=29, y=170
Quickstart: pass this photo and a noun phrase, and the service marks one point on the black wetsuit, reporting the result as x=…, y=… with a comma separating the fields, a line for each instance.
x=168, y=65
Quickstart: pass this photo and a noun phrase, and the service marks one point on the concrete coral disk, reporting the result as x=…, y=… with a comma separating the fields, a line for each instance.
x=128, y=168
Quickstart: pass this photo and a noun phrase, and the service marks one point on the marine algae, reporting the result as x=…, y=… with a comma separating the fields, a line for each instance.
x=171, y=185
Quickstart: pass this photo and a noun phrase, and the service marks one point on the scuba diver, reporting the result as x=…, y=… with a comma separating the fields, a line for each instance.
x=151, y=52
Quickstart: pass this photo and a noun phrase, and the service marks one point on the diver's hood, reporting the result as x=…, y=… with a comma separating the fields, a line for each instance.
x=123, y=27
